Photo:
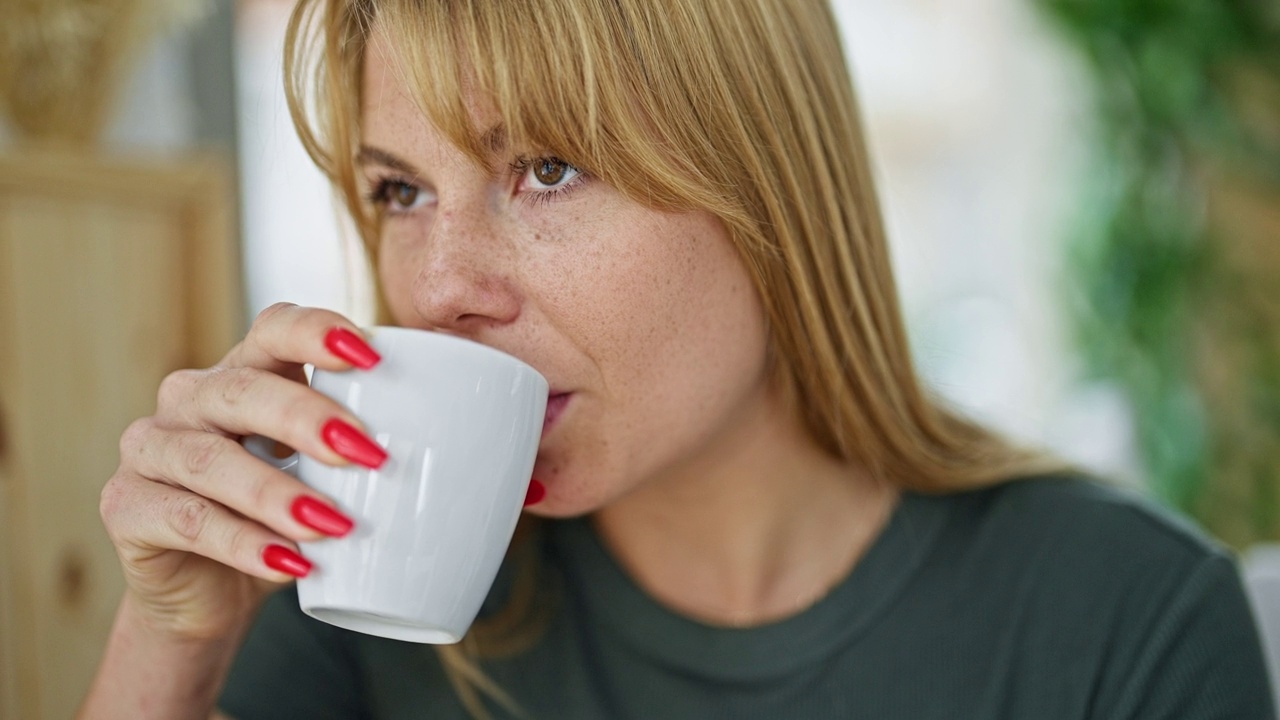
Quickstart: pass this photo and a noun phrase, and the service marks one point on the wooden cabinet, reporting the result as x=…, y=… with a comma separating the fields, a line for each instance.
x=112, y=274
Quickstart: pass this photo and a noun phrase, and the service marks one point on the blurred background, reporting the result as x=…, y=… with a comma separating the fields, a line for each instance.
x=1083, y=199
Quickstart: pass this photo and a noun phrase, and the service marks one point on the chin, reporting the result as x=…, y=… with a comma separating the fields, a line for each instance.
x=570, y=493
x=562, y=508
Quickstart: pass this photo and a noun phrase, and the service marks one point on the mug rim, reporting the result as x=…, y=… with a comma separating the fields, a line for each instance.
x=436, y=336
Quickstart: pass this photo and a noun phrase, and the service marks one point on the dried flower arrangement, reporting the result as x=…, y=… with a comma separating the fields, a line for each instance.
x=62, y=62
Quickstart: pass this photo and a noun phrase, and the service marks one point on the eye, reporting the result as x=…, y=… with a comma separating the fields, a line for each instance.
x=549, y=173
x=398, y=197
x=402, y=195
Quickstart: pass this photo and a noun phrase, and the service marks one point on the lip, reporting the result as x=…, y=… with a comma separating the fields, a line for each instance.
x=556, y=403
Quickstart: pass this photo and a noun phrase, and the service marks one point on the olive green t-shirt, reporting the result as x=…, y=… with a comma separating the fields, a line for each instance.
x=1039, y=599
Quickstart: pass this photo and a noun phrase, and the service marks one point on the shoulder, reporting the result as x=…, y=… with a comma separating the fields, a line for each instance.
x=1103, y=592
x=1076, y=550
x=1131, y=600
x=1066, y=516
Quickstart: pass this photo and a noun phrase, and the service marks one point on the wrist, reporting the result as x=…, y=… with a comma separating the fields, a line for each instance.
x=153, y=670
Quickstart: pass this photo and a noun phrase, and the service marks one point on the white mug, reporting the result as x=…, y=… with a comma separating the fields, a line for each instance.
x=461, y=423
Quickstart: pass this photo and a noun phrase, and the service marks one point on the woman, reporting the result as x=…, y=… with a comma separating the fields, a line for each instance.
x=745, y=506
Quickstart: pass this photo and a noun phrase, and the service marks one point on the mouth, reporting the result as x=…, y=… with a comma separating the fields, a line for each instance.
x=556, y=403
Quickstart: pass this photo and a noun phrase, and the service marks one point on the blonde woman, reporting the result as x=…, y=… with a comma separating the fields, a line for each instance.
x=745, y=505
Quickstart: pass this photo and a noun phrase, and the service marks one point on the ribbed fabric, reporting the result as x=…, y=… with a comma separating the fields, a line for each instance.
x=1039, y=599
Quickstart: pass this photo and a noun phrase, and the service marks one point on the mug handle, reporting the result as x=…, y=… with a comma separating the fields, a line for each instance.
x=263, y=448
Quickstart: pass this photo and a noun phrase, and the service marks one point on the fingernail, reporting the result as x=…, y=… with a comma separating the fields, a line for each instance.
x=535, y=493
x=351, y=444
x=279, y=557
x=320, y=517
x=351, y=347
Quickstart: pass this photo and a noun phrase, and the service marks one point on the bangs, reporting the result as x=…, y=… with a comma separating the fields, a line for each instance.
x=525, y=60
x=567, y=78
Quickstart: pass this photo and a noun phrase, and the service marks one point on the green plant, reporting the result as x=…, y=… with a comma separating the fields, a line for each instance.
x=1154, y=293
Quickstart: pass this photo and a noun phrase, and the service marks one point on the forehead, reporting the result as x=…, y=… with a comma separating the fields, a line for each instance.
x=393, y=106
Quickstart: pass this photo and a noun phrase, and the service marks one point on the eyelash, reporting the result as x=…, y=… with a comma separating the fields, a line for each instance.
x=379, y=196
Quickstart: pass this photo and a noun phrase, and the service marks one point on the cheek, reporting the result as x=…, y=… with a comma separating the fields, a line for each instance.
x=706, y=323
x=408, y=264
x=668, y=314
x=395, y=281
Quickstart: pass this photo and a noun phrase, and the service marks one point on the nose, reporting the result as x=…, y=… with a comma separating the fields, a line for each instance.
x=466, y=277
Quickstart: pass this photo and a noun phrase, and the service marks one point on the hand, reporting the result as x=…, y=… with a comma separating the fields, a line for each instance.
x=203, y=528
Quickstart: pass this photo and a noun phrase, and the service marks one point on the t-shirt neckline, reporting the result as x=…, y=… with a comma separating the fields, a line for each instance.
x=613, y=601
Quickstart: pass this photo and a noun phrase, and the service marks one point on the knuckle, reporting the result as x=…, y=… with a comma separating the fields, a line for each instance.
x=175, y=387
x=238, y=384
x=134, y=437
x=114, y=506
x=256, y=491
x=191, y=518
x=260, y=339
x=297, y=416
x=240, y=544
x=111, y=500
x=204, y=454
x=271, y=311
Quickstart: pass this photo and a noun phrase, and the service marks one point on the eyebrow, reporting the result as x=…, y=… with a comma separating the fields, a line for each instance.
x=372, y=155
x=494, y=140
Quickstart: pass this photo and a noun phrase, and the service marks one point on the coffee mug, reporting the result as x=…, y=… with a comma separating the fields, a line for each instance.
x=461, y=423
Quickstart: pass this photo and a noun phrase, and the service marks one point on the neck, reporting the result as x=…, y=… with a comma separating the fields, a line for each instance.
x=757, y=528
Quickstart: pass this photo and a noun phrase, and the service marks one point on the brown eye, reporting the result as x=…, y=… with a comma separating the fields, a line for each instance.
x=398, y=197
x=549, y=171
x=403, y=195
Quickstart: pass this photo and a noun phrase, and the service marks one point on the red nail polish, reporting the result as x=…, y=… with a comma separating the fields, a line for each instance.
x=279, y=557
x=351, y=347
x=351, y=444
x=536, y=492
x=320, y=517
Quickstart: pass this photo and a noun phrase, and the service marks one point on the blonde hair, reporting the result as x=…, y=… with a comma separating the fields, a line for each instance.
x=741, y=108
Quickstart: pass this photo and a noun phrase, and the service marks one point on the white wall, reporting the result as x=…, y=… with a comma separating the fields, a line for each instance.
x=293, y=249
x=976, y=117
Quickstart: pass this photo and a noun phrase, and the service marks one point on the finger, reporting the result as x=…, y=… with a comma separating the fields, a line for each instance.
x=285, y=336
x=249, y=401
x=144, y=517
x=219, y=468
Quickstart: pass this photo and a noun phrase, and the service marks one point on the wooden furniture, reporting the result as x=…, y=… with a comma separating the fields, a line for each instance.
x=112, y=274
